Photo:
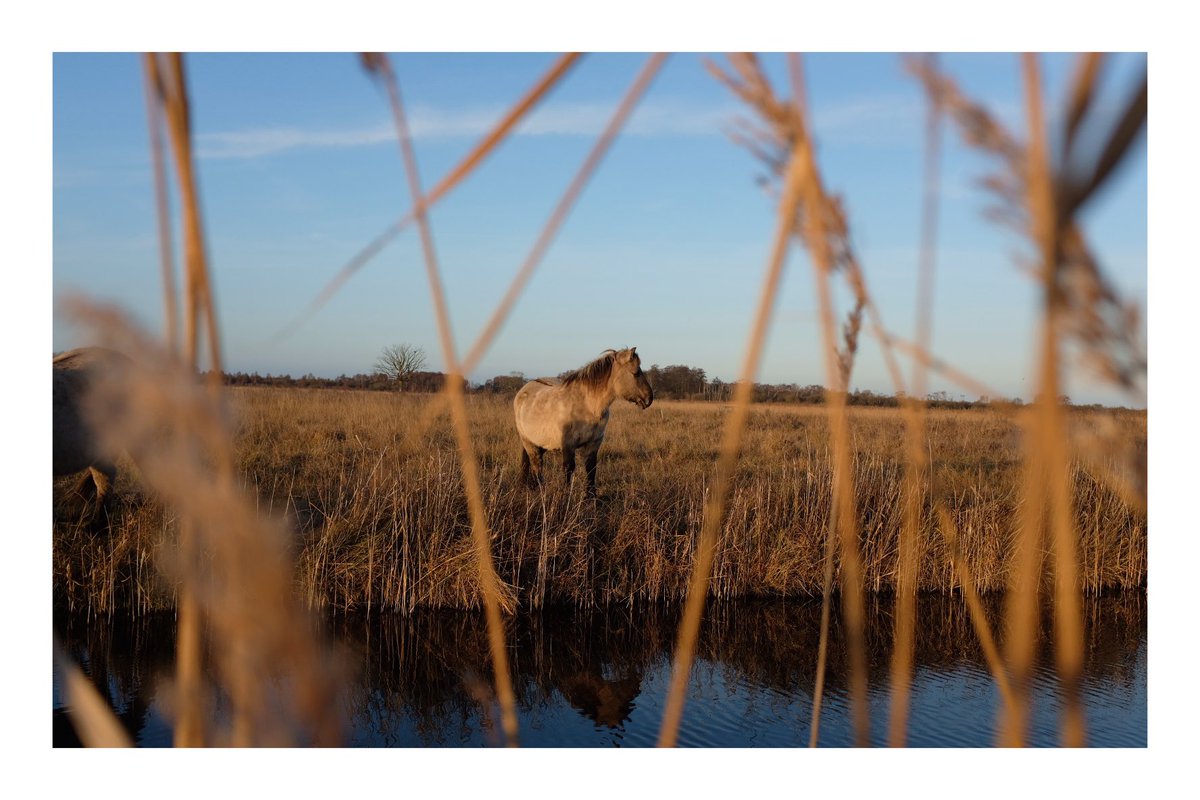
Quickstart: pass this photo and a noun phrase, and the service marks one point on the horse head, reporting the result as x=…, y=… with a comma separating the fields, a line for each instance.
x=629, y=381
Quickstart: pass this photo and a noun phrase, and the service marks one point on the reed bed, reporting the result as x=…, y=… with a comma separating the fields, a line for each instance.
x=381, y=525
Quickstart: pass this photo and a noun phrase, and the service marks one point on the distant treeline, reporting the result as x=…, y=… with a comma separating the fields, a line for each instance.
x=674, y=382
x=415, y=382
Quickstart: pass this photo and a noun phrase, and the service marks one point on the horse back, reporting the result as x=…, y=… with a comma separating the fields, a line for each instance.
x=74, y=442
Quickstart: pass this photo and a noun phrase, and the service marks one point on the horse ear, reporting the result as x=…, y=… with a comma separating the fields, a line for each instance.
x=633, y=351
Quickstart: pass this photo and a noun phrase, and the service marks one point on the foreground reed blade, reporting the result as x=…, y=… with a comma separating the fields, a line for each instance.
x=975, y=608
x=279, y=680
x=472, y=160
x=489, y=581
x=1095, y=319
x=785, y=145
x=226, y=544
x=817, y=237
x=1079, y=306
x=731, y=440
x=918, y=476
x=1051, y=422
x=640, y=84
x=557, y=218
x=91, y=717
x=165, y=74
x=154, y=114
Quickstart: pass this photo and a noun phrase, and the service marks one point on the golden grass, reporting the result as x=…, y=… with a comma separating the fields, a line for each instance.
x=383, y=522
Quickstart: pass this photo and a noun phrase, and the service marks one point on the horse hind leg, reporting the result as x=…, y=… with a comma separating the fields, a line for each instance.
x=93, y=493
x=526, y=474
x=95, y=485
x=531, y=463
x=568, y=465
x=103, y=475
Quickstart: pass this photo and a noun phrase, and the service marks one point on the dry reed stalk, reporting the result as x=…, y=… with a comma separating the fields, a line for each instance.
x=154, y=114
x=731, y=441
x=845, y=258
x=978, y=618
x=956, y=375
x=229, y=610
x=173, y=103
x=1021, y=601
x=1125, y=473
x=823, y=641
x=1094, y=316
x=799, y=97
x=1052, y=435
x=817, y=237
x=199, y=283
x=1047, y=493
x=1079, y=304
x=489, y=581
x=843, y=480
x=472, y=160
x=91, y=717
x=624, y=109
x=917, y=472
x=550, y=230
x=823, y=231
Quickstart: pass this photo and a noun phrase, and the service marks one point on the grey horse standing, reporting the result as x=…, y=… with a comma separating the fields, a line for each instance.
x=571, y=414
x=76, y=445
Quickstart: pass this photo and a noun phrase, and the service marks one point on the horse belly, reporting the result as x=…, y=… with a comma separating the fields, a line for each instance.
x=536, y=421
x=543, y=434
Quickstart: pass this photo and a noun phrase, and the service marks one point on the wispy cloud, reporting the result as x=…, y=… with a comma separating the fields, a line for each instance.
x=259, y=142
x=665, y=117
x=566, y=119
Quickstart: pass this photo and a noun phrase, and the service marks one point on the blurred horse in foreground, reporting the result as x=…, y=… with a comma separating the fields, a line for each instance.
x=77, y=444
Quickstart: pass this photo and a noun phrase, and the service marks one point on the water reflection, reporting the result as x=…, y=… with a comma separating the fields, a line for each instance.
x=599, y=679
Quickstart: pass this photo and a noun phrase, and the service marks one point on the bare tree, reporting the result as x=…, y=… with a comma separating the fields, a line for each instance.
x=400, y=361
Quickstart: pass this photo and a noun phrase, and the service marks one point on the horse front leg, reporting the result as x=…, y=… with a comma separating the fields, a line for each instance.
x=568, y=464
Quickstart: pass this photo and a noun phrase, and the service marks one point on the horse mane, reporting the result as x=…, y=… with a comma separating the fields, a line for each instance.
x=594, y=375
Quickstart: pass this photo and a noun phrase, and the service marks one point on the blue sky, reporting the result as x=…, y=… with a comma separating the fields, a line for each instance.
x=299, y=168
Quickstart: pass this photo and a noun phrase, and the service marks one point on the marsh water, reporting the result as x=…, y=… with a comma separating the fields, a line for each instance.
x=600, y=678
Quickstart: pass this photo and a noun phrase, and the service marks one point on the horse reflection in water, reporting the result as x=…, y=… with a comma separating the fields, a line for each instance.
x=607, y=702
x=571, y=414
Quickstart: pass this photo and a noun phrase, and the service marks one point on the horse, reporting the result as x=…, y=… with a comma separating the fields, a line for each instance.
x=571, y=414
x=77, y=445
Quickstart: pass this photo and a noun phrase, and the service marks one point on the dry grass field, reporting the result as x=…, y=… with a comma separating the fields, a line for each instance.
x=370, y=482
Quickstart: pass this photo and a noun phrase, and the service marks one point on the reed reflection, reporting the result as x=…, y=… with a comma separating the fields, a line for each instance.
x=587, y=678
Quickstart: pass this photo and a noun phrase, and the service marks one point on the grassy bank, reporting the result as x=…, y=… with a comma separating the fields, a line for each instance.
x=372, y=487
